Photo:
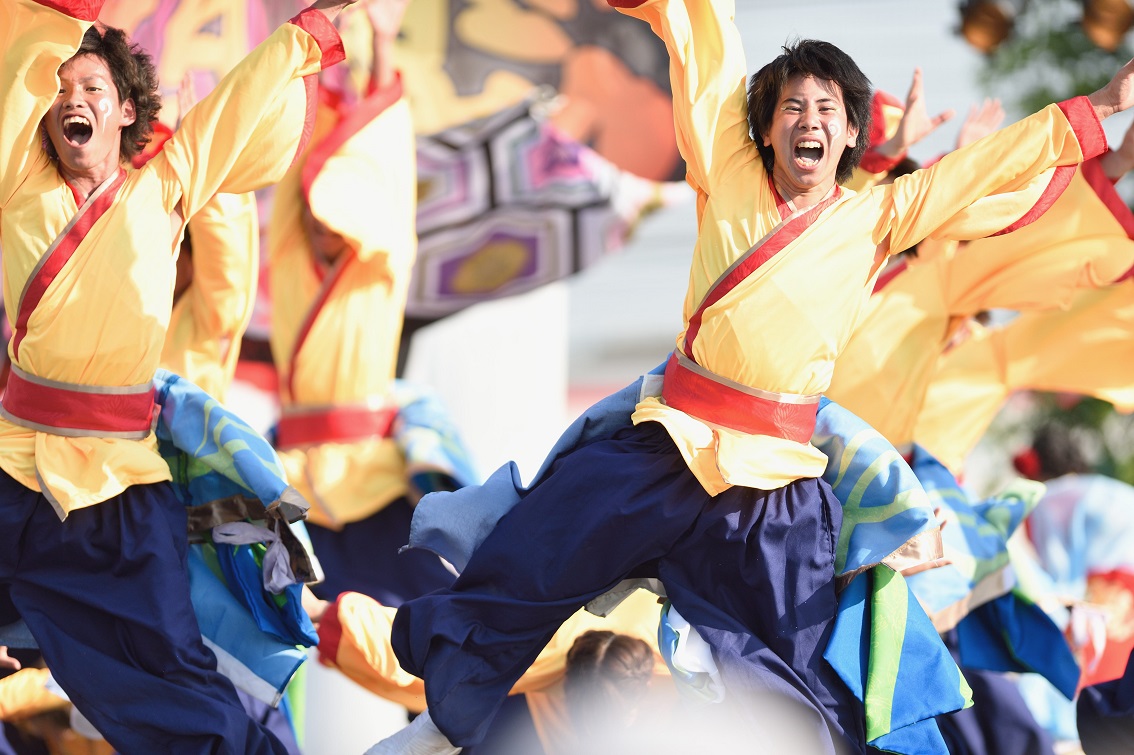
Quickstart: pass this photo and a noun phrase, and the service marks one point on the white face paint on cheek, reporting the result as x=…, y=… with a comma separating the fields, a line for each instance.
x=834, y=129
x=104, y=108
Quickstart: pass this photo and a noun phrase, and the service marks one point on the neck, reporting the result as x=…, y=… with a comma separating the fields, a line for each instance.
x=85, y=181
x=803, y=198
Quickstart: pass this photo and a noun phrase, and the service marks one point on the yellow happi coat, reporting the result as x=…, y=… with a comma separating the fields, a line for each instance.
x=781, y=328
x=1081, y=243
x=359, y=179
x=103, y=320
x=209, y=319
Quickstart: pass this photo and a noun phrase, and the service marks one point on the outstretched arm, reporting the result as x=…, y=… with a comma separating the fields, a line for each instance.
x=707, y=77
x=35, y=39
x=248, y=131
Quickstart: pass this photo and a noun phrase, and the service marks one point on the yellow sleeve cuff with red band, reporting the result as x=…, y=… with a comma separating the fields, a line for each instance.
x=1087, y=126
x=707, y=78
x=1059, y=137
x=354, y=637
x=83, y=10
x=249, y=130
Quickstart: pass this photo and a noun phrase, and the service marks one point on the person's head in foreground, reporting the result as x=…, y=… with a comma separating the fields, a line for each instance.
x=806, y=110
x=108, y=98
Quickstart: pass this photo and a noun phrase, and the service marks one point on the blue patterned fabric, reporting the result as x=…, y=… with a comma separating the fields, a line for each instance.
x=436, y=456
x=975, y=538
x=213, y=455
x=881, y=648
x=998, y=628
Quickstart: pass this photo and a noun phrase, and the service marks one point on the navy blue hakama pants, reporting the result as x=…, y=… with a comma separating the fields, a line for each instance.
x=752, y=570
x=105, y=593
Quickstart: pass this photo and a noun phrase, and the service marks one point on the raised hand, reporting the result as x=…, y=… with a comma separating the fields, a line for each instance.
x=331, y=8
x=916, y=123
x=186, y=96
x=1117, y=95
x=385, y=16
x=980, y=122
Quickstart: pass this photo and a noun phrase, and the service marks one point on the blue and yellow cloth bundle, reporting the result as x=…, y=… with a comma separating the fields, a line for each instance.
x=247, y=573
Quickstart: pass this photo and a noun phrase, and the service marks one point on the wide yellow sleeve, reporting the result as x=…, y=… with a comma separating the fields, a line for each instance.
x=248, y=131
x=1083, y=241
x=25, y=694
x=35, y=40
x=1086, y=349
x=966, y=393
x=707, y=77
x=987, y=186
x=366, y=167
x=208, y=321
x=354, y=637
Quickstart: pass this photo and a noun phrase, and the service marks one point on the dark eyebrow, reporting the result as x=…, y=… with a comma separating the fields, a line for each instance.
x=798, y=101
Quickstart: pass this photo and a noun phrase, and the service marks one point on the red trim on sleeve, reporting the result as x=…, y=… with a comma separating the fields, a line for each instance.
x=1055, y=188
x=330, y=634
x=874, y=161
x=84, y=10
x=311, y=89
x=1104, y=190
x=326, y=35
x=1085, y=123
x=625, y=3
x=364, y=112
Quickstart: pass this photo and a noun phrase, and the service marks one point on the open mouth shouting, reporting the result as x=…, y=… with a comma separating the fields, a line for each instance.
x=77, y=130
x=808, y=153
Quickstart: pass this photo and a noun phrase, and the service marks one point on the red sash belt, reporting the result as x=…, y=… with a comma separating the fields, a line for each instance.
x=697, y=392
x=303, y=427
x=75, y=410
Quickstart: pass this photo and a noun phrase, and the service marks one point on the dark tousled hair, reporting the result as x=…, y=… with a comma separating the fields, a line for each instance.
x=607, y=676
x=1060, y=450
x=821, y=60
x=135, y=78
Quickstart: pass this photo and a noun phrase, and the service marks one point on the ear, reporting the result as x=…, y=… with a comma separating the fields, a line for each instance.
x=852, y=135
x=129, y=115
x=767, y=140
